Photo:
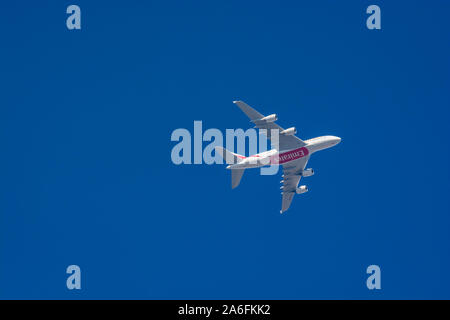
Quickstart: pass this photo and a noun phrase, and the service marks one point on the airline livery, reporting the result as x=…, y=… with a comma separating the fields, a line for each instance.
x=290, y=152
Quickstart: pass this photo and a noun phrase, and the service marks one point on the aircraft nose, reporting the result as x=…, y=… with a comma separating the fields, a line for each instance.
x=338, y=140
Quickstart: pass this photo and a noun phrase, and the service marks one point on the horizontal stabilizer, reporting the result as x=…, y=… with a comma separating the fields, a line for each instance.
x=228, y=156
x=236, y=176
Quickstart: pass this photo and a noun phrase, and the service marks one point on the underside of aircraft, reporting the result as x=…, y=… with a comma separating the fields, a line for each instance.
x=289, y=151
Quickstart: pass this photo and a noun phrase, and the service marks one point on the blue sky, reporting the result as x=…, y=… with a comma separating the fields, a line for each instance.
x=87, y=179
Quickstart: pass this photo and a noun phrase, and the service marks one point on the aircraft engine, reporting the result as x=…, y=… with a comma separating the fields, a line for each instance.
x=270, y=118
x=289, y=132
x=301, y=189
x=307, y=172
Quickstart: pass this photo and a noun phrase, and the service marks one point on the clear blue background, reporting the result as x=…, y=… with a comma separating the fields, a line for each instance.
x=86, y=175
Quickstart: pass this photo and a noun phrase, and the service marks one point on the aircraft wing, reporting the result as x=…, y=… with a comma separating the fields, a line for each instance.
x=285, y=142
x=291, y=178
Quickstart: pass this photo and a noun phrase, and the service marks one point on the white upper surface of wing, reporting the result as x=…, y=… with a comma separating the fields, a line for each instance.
x=291, y=178
x=285, y=142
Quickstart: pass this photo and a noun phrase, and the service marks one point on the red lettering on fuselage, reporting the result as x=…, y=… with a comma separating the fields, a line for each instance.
x=292, y=155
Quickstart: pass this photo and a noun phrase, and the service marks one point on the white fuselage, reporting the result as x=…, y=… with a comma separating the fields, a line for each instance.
x=275, y=157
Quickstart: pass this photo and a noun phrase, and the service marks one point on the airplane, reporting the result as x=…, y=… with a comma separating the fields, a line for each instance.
x=291, y=153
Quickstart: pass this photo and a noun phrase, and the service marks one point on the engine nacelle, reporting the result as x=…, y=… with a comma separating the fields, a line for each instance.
x=307, y=172
x=270, y=118
x=301, y=189
x=289, y=132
